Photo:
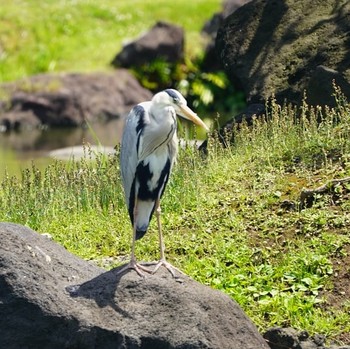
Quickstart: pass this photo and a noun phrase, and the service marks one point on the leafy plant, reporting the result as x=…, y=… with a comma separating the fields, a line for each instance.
x=210, y=91
x=207, y=92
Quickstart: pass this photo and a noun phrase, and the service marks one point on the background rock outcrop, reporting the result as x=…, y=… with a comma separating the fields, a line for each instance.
x=163, y=41
x=274, y=46
x=69, y=99
x=210, y=29
x=52, y=299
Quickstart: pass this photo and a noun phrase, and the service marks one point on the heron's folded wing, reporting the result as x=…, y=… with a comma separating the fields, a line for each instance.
x=153, y=137
x=129, y=146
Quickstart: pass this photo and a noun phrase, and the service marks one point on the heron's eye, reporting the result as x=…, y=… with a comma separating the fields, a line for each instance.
x=176, y=100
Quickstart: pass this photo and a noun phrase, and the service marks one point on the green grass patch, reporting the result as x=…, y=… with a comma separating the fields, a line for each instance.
x=231, y=221
x=82, y=36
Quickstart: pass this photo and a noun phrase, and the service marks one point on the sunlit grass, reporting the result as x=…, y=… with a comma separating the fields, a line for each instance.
x=83, y=35
x=224, y=219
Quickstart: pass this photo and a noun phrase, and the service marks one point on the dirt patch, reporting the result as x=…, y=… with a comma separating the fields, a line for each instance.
x=340, y=293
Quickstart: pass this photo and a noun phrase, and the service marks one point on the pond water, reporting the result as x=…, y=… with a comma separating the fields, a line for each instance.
x=18, y=150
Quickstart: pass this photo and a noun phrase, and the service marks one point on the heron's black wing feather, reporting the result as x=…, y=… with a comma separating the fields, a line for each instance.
x=134, y=126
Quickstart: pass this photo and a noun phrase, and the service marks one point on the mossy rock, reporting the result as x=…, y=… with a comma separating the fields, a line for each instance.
x=274, y=46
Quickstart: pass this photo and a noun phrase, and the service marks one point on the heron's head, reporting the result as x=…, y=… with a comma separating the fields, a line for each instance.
x=175, y=99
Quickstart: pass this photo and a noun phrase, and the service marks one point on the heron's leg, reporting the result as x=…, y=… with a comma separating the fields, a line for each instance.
x=132, y=257
x=161, y=243
x=162, y=260
x=133, y=264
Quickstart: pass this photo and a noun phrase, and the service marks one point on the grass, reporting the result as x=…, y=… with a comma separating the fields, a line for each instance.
x=232, y=221
x=82, y=35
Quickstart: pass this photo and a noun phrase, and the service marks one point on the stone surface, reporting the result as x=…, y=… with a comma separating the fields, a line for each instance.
x=282, y=338
x=79, y=152
x=163, y=41
x=210, y=29
x=273, y=46
x=52, y=299
x=225, y=133
x=69, y=99
x=320, y=86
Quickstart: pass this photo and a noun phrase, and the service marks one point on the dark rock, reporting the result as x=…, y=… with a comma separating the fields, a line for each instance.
x=225, y=133
x=19, y=120
x=275, y=46
x=247, y=115
x=54, y=109
x=211, y=61
x=288, y=205
x=69, y=99
x=320, y=89
x=211, y=27
x=278, y=338
x=282, y=338
x=52, y=299
x=164, y=41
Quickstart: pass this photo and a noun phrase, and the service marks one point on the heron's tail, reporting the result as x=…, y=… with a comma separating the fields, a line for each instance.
x=140, y=234
x=143, y=217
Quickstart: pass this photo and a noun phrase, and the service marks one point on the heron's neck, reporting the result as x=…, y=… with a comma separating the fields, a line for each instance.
x=163, y=115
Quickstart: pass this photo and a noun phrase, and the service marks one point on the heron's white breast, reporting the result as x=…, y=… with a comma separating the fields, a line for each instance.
x=157, y=162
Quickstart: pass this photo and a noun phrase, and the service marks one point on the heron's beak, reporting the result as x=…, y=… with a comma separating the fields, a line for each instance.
x=189, y=114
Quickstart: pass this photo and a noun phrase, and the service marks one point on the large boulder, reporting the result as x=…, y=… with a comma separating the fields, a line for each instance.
x=320, y=87
x=52, y=299
x=273, y=46
x=163, y=41
x=69, y=99
x=210, y=29
x=214, y=23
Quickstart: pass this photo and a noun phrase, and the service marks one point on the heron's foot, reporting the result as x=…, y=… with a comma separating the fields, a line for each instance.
x=169, y=267
x=139, y=268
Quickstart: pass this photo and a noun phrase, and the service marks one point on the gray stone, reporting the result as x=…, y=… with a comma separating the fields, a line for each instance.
x=273, y=46
x=69, y=99
x=163, y=41
x=79, y=152
x=320, y=88
x=287, y=337
x=52, y=299
x=210, y=29
x=225, y=134
x=279, y=337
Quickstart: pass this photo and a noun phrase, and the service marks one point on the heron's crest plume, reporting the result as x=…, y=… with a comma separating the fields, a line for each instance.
x=169, y=97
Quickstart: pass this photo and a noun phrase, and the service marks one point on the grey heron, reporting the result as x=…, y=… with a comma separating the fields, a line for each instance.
x=148, y=150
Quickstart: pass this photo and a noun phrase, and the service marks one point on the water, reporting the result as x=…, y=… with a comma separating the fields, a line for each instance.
x=18, y=150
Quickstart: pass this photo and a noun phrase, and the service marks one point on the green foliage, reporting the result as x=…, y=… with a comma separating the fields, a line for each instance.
x=158, y=75
x=288, y=135
x=207, y=92
x=224, y=220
